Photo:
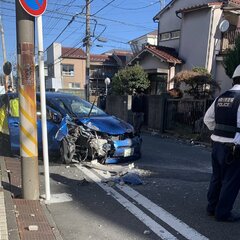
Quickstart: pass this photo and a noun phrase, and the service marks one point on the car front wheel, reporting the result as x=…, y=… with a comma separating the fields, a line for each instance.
x=66, y=152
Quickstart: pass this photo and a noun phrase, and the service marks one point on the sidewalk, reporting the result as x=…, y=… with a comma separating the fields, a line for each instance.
x=19, y=218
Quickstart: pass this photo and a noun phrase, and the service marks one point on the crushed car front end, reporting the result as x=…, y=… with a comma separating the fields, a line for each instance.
x=84, y=139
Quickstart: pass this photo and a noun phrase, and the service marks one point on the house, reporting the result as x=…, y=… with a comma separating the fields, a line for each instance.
x=67, y=68
x=196, y=33
x=139, y=43
x=37, y=75
x=104, y=66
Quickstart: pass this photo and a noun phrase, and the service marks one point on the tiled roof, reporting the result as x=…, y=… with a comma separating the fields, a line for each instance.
x=73, y=53
x=101, y=58
x=200, y=6
x=68, y=52
x=165, y=53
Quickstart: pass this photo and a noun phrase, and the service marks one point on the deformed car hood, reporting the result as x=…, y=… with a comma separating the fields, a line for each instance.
x=107, y=124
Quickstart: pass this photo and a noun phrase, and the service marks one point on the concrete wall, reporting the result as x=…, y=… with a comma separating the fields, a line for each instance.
x=120, y=106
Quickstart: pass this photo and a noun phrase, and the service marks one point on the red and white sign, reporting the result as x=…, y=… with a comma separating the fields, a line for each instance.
x=34, y=7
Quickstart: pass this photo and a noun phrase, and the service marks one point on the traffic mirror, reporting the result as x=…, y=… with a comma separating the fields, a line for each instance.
x=7, y=68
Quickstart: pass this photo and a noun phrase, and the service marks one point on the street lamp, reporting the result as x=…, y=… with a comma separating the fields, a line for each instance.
x=107, y=82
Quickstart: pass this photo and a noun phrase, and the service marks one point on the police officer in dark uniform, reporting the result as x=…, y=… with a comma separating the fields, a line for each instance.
x=138, y=106
x=223, y=118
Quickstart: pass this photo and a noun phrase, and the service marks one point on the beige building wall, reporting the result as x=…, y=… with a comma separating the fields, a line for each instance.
x=195, y=38
x=168, y=21
x=79, y=72
x=150, y=62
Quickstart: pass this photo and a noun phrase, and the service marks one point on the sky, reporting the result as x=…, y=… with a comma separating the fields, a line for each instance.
x=117, y=21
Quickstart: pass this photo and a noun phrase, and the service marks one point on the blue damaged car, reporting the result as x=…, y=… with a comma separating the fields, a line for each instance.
x=78, y=130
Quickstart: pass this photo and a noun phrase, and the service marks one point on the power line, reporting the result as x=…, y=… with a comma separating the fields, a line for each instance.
x=103, y=7
x=106, y=19
x=68, y=24
x=135, y=9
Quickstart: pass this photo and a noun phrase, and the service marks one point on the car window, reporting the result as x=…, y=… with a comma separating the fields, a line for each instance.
x=74, y=106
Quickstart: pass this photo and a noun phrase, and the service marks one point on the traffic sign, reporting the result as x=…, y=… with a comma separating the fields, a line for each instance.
x=34, y=7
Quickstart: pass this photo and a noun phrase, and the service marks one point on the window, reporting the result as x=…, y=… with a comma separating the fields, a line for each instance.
x=73, y=85
x=169, y=35
x=175, y=34
x=165, y=36
x=68, y=70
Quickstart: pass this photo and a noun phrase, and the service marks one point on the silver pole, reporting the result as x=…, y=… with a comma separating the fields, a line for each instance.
x=43, y=108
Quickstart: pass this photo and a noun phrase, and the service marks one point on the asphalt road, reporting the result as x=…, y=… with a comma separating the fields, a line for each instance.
x=170, y=204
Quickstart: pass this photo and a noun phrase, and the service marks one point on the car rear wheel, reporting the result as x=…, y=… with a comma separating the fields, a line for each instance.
x=65, y=152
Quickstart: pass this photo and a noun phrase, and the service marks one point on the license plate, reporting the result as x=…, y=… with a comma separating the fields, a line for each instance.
x=128, y=152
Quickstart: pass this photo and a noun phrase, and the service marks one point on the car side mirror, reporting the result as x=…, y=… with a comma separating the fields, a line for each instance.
x=39, y=115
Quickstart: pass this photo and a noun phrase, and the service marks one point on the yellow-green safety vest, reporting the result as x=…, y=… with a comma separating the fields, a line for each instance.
x=14, y=107
x=3, y=120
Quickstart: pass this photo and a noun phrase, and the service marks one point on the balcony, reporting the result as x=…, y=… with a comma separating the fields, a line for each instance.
x=228, y=39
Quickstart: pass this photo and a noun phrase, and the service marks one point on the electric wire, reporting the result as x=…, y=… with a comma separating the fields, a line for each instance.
x=134, y=9
x=103, y=8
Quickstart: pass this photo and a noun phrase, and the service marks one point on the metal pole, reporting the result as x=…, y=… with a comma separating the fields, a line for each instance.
x=27, y=103
x=4, y=52
x=43, y=108
x=87, y=39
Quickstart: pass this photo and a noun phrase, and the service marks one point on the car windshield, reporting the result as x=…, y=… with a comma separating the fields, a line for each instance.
x=73, y=106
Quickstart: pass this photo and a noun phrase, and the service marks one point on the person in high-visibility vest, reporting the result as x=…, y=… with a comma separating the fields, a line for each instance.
x=3, y=118
x=4, y=130
x=14, y=107
x=8, y=107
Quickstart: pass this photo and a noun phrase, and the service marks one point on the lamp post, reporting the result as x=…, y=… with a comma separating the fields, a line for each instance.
x=107, y=82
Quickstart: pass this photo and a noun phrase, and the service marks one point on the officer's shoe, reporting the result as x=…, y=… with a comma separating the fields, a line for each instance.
x=234, y=217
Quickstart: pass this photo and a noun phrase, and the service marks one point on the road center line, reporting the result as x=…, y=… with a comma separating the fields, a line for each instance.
x=159, y=212
x=144, y=218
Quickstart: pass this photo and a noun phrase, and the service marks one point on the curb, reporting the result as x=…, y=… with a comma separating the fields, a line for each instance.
x=49, y=217
x=9, y=206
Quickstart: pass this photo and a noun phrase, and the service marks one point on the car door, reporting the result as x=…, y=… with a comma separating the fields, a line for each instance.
x=14, y=130
x=52, y=128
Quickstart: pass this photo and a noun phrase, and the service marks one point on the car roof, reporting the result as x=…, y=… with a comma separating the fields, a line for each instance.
x=50, y=95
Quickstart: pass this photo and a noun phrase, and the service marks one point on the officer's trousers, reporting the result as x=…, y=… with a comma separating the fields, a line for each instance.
x=225, y=181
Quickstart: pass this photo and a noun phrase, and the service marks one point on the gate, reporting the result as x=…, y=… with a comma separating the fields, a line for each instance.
x=185, y=116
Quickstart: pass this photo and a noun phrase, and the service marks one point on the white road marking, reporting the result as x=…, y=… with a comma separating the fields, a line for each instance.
x=172, y=221
x=175, y=223
x=154, y=226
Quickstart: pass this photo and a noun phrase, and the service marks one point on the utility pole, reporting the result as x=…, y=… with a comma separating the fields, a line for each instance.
x=27, y=103
x=88, y=44
x=4, y=53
